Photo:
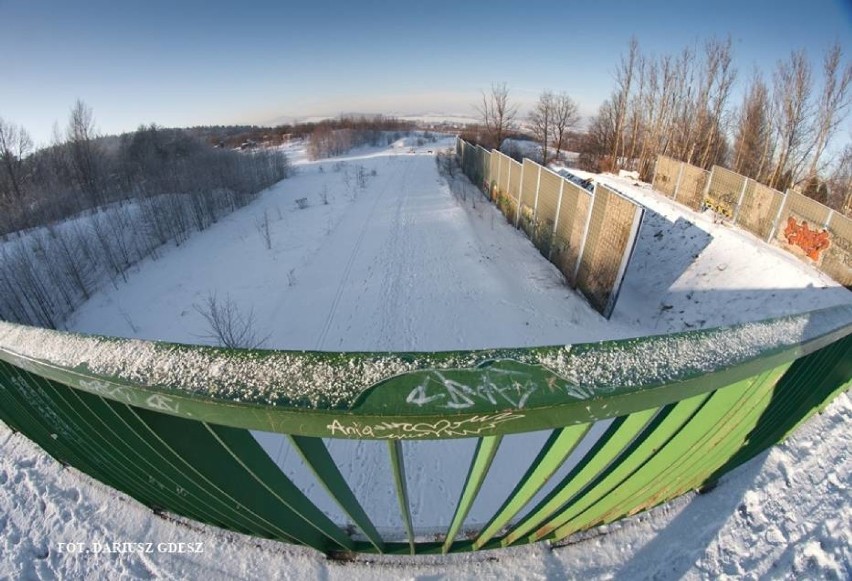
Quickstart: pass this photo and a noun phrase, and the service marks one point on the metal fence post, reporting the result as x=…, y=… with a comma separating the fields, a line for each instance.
x=556, y=220
x=499, y=170
x=677, y=183
x=537, y=188
x=740, y=201
x=638, y=215
x=585, y=237
x=777, y=217
x=520, y=197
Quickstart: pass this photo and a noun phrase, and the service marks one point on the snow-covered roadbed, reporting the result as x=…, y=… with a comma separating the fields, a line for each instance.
x=398, y=264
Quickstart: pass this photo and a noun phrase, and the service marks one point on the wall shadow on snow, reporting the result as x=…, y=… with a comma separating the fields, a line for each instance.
x=674, y=245
x=708, y=308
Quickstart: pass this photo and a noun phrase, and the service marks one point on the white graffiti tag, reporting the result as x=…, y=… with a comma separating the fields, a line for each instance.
x=162, y=403
x=494, y=386
x=473, y=426
x=106, y=389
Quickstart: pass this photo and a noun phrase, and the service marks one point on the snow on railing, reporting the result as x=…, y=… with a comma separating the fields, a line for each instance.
x=628, y=424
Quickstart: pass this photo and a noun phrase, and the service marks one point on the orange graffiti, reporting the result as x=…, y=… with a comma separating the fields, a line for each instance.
x=811, y=241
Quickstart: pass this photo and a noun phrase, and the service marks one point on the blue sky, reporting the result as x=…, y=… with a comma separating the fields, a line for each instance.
x=187, y=63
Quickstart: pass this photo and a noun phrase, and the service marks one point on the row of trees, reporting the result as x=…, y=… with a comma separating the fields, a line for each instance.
x=553, y=118
x=87, y=208
x=680, y=105
x=334, y=137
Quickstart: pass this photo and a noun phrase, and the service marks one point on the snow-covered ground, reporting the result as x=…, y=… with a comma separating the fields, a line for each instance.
x=381, y=256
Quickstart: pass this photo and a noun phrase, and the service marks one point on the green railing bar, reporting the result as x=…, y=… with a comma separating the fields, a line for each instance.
x=398, y=469
x=553, y=453
x=806, y=380
x=725, y=445
x=665, y=426
x=385, y=409
x=318, y=459
x=112, y=437
x=33, y=428
x=193, y=442
x=137, y=477
x=716, y=443
x=246, y=452
x=86, y=441
x=239, y=520
x=657, y=471
x=486, y=448
x=96, y=445
x=605, y=450
x=217, y=512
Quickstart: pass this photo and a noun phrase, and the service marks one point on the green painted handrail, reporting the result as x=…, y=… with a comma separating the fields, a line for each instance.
x=168, y=424
x=441, y=395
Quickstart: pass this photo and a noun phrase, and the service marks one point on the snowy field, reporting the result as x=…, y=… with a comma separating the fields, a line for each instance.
x=373, y=252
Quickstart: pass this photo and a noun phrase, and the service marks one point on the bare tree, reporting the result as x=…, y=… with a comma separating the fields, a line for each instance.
x=719, y=76
x=497, y=113
x=596, y=145
x=84, y=155
x=753, y=142
x=791, y=96
x=565, y=119
x=840, y=183
x=542, y=121
x=624, y=74
x=15, y=145
x=833, y=104
x=227, y=325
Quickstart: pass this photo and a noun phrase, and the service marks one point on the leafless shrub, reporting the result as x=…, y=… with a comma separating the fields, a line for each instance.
x=262, y=226
x=127, y=319
x=361, y=176
x=227, y=325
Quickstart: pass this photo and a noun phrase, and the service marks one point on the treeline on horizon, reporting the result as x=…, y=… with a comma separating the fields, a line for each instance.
x=85, y=209
x=681, y=105
x=82, y=170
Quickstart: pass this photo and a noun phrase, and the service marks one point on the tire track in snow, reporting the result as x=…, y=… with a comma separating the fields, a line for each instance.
x=393, y=274
x=351, y=260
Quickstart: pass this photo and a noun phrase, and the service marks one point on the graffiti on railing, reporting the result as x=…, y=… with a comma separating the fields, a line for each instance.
x=493, y=386
x=813, y=242
x=108, y=390
x=467, y=427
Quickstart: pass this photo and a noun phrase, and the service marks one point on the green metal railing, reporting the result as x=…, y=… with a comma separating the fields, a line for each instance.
x=170, y=424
